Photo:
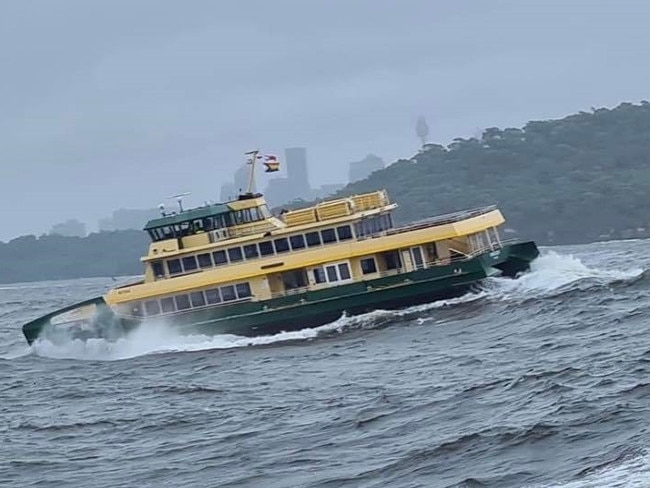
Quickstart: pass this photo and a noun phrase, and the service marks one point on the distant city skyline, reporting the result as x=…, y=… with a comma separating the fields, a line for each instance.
x=120, y=104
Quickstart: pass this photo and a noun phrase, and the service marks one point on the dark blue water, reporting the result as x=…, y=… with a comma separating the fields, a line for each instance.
x=539, y=382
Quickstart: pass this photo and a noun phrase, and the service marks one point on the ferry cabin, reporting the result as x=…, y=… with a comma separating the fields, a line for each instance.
x=223, y=254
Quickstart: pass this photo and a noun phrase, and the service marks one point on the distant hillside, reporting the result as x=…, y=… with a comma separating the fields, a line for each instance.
x=50, y=257
x=582, y=178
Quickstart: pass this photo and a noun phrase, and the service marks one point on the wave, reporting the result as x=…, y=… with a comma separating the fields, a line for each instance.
x=628, y=470
x=553, y=272
x=158, y=338
x=549, y=274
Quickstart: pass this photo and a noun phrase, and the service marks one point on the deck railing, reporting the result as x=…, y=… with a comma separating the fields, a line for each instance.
x=449, y=218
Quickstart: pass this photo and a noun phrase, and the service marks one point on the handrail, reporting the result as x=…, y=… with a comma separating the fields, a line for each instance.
x=449, y=218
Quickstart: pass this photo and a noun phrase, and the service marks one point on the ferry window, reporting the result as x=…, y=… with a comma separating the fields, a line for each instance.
x=313, y=239
x=205, y=260
x=189, y=263
x=174, y=266
x=136, y=309
x=235, y=254
x=319, y=275
x=344, y=271
x=168, y=305
x=257, y=215
x=266, y=213
x=158, y=270
x=281, y=245
x=243, y=290
x=266, y=248
x=207, y=224
x=168, y=232
x=182, y=302
x=228, y=293
x=368, y=266
x=344, y=232
x=219, y=257
x=239, y=217
x=227, y=219
x=185, y=229
x=328, y=236
x=212, y=296
x=297, y=242
x=152, y=307
x=331, y=273
x=198, y=226
x=250, y=251
x=197, y=298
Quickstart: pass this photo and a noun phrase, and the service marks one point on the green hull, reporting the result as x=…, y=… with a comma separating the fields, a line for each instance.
x=315, y=308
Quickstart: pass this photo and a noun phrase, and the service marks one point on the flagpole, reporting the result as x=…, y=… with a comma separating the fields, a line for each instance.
x=251, y=177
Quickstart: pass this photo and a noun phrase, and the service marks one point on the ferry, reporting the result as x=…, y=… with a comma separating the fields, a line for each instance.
x=236, y=268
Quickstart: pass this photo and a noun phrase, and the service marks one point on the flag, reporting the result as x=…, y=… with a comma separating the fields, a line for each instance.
x=272, y=164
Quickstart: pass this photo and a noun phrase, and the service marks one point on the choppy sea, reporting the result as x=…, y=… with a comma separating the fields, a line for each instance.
x=538, y=382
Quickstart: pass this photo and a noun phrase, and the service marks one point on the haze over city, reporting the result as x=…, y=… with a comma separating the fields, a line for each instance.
x=120, y=104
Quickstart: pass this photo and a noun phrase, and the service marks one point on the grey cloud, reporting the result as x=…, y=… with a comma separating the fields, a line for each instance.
x=108, y=104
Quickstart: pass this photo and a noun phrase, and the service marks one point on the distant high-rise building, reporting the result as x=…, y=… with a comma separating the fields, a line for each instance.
x=242, y=175
x=69, y=228
x=297, y=172
x=227, y=192
x=360, y=170
x=279, y=191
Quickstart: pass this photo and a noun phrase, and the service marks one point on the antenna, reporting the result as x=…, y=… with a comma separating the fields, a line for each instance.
x=179, y=199
x=422, y=130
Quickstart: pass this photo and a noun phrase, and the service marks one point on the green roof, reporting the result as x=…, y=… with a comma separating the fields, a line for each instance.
x=188, y=215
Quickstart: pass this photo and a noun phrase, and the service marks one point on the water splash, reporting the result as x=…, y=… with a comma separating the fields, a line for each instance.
x=548, y=273
x=157, y=338
x=551, y=272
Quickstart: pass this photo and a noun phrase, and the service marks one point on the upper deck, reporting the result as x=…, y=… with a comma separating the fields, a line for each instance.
x=249, y=219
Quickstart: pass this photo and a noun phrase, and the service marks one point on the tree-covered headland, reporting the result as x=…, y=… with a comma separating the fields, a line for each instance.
x=582, y=178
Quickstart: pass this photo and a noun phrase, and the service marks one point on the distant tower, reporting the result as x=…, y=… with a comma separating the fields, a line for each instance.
x=297, y=174
x=422, y=130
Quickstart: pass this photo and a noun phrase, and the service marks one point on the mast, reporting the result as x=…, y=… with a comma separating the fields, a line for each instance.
x=251, y=158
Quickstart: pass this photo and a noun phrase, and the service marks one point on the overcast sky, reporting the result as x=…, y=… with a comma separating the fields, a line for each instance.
x=121, y=103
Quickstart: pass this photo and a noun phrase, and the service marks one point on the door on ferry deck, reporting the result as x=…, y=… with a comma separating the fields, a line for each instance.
x=417, y=258
x=295, y=279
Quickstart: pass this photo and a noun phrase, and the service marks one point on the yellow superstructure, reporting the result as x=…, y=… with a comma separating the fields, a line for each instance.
x=245, y=252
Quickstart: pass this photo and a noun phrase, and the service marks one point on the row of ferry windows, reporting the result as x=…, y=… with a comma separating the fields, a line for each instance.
x=237, y=217
x=341, y=271
x=197, y=299
x=281, y=245
x=332, y=273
